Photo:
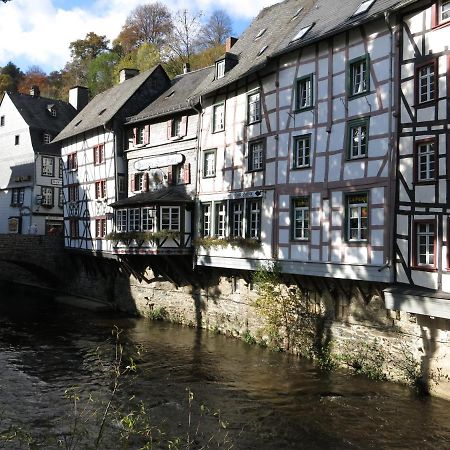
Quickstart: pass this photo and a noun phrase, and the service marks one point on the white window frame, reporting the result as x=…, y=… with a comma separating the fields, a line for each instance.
x=302, y=152
x=355, y=211
x=206, y=219
x=218, y=117
x=426, y=78
x=121, y=220
x=47, y=138
x=301, y=218
x=48, y=166
x=220, y=69
x=254, y=107
x=134, y=219
x=444, y=8
x=148, y=219
x=254, y=209
x=305, y=92
x=425, y=238
x=170, y=218
x=47, y=195
x=363, y=7
x=237, y=218
x=220, y=219
x=209, y=163
x=359, y=141
x=256, y=155
x=426, y=161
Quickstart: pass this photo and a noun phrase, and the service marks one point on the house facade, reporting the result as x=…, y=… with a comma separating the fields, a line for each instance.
x=422, y=225
x=94, y=167
x=31, y=191
x=302, y=161
x=161, y=146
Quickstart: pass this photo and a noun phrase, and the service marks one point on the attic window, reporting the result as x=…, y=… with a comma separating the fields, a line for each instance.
x=261, y=32
x=101, y=112
x=297, y=13
x=220, y=69
x=47, y=138
x=262, y=50
x=78, y=123
x=363, y=7
x=301, y=33
x=51, y=109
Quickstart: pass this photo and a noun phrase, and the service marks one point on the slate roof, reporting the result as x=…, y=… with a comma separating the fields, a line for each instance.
x=35, y=112
x=176, y=98
x=328, y=17
x=104, y=106
x=168, y=195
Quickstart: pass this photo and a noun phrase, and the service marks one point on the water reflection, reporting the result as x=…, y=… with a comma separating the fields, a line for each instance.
x=272, y=401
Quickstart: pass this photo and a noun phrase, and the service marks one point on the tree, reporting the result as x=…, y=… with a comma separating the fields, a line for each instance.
x=100, y=74
x=6, y=83
x=34, y=76
x=186, y=28
x=14, y=73
x=150, y=23
x=216, y=30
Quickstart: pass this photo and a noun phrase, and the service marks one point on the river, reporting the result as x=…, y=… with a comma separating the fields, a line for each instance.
x=266, y=400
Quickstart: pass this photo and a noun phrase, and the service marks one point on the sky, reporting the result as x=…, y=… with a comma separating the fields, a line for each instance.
x=38, y=32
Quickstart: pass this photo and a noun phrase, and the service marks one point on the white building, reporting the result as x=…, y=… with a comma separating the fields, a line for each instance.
x=30, y=166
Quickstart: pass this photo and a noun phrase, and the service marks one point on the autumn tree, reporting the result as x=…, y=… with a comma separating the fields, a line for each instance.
x=100, y=74
x=150, y=23
x=34, y=76
x=14, y=73
x=216, y=30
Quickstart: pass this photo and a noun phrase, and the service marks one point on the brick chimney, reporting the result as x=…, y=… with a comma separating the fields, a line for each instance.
x=229, y=43
x=126, y=74
x=79, y=97
x=35, y=91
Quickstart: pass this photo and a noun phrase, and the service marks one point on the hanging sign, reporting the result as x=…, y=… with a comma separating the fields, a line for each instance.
x=159, y=161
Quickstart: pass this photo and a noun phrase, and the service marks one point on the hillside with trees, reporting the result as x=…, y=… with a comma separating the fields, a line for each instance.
x=150, y=35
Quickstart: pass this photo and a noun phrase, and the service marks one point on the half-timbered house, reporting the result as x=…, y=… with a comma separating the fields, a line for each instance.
x=30, y=166
x=423, y=186
x=95, y=171
x=297, y=142
x=161, y=146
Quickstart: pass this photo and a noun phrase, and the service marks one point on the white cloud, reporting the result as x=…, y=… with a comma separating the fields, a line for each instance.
x=36, y=32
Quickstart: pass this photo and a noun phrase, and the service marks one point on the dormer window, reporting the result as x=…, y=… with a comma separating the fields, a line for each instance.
x=302, y=33
x=262, y=50
x=51, y=109
x=220, y=69
x=47, y=138
x=261, y=32
x=297, y=13
x=363, y=7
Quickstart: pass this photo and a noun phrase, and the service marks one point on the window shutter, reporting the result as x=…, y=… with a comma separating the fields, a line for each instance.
x=183, y=127
x=169, y=129
x=133, y=183
x=170, y=175
x=147, y=134
x=135, y=131
x=145, y=183
x=187, y=173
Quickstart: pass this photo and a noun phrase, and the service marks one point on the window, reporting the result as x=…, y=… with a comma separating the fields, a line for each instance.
x=47, y=138
x=358, y=137
x=302, y=33
x=182, y=174
x=260, y=33
x=254, y=219
x=304, y=97
x=134, y=219
x=218, y=117
x=100, y=189
x=256, y=156
x=73, y=228
x=140, y=135
x=254, y=107
x=297, y=13
x=139, y=182
x=209, y=163
x=16, y=139
x=47, y=196
x=220, y=69
x=424, y=251
x=175, y=127
x=425, y=162
x=48, y=166
x=300, y=218
x=72, y=191
x=121, y=184
x=357, y=215
x=99, y=154
x=170, y=218
x=121, y=220
x=237, y=218
x=263, y=49
x=358, y=76
x=363, y=7
x=426, y=83
x=18, y=196
x=444, y=11
x=206, y=219
x=100, y=228
x=2, y=121
x=72, y=161
x=220, y=211
x=148, y=219
x=60, y=197
x=60, y=167
x=301, y=152
x=440, y=13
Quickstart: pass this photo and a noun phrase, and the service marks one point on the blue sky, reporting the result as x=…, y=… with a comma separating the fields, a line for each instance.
x=38, y=32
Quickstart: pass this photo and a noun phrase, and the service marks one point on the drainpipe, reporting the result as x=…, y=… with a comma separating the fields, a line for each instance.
x=390, y=262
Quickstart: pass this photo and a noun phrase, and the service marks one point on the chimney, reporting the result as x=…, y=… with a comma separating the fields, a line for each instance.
x=35, y=91
x=126, y=74
x=78, y=97
x=186, y=67
x=229, y=43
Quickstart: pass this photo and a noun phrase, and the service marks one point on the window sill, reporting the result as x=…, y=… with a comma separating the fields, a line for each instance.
x=360, y=94
x=301, y=168
x=218, y=131
x=48, y=176
x=255, y=170
x=305, y=109
x=209, y=176
x=424, y=268
x=254, y=122
x=427, y=104
x=300, y=241
x=355, y=158
x=441, y=25
x=425, y=182
x=357, y=241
